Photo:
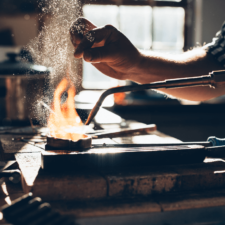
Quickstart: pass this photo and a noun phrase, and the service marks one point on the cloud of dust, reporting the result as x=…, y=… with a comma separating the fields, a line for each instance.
x=53, y=48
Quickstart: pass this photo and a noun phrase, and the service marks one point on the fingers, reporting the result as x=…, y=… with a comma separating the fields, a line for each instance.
x=84, y=44
x=105, y=69
x=101, y=54
x=78, y=29
x=95, y=38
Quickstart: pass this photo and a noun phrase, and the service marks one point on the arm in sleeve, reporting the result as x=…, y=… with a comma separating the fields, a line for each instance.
x=217, y=47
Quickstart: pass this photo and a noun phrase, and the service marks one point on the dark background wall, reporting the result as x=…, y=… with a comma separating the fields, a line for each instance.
x=208, y=18
x=213, y=14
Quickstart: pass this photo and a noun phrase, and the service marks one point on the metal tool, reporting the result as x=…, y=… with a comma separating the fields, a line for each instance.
x=125, y=132
x=29, y=210
x=13, y=175
x=124, y=155
x=214, y=79
x=86, y=142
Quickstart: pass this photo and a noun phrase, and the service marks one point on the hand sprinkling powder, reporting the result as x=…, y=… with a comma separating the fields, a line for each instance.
x=89, y=37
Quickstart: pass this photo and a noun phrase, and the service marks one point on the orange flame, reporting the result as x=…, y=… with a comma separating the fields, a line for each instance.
x=64, y=117
x=119, y=98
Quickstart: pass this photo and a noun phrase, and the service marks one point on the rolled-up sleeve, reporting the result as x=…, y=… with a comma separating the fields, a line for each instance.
x=217, y=47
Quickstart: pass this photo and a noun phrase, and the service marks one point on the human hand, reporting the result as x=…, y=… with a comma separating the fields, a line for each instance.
x=105, y=47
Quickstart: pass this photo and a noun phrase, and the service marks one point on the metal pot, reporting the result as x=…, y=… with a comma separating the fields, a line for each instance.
x=21, y=84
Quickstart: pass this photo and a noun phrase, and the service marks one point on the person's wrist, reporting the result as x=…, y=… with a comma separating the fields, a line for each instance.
x=141, y=62
x=138, y=64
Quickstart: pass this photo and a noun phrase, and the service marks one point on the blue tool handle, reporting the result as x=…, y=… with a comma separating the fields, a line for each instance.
x=216, y=141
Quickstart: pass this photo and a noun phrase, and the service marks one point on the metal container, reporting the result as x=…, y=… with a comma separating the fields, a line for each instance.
x=21, y=84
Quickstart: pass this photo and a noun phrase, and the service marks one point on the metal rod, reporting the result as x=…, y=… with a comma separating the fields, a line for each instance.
x=125, y=132
x=203, y=143
x=172, y=83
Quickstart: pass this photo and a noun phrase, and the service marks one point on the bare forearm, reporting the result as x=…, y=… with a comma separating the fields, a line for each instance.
x=114, y=55
x=155, y=67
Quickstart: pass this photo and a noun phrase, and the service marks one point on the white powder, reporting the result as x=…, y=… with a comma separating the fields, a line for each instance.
x=53, y=48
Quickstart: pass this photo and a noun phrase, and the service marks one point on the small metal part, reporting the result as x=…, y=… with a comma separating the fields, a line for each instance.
x=7, y=164
x=66, y=144
x=13, y=175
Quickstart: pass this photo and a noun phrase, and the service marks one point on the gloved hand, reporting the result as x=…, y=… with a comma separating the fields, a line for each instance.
x=106, y=48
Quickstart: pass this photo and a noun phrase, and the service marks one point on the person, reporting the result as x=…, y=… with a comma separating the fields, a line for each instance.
x=114, y=55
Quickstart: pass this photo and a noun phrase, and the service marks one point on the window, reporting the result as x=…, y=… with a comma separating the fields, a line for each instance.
x=156, y=27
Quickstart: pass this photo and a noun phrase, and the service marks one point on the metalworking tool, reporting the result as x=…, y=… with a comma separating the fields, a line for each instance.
x=214, y=79
x=33, y=211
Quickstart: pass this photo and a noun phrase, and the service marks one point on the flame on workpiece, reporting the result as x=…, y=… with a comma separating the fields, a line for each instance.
x=64, y=117
x=119, y=98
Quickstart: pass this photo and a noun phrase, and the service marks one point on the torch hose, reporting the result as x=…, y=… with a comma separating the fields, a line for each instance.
x=212, y=80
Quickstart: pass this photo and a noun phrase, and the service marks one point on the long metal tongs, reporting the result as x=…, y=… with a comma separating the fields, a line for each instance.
x=214, y=147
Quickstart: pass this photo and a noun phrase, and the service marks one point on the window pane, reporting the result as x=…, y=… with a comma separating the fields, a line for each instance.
x=168, y=28
x=93, y=79
x=135, y=23
x=100, y=15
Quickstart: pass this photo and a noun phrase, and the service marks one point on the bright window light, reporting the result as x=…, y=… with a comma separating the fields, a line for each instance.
x=168, y=28
x=135, y=23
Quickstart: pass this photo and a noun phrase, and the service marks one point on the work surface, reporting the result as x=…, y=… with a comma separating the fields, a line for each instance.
x=122, y=191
